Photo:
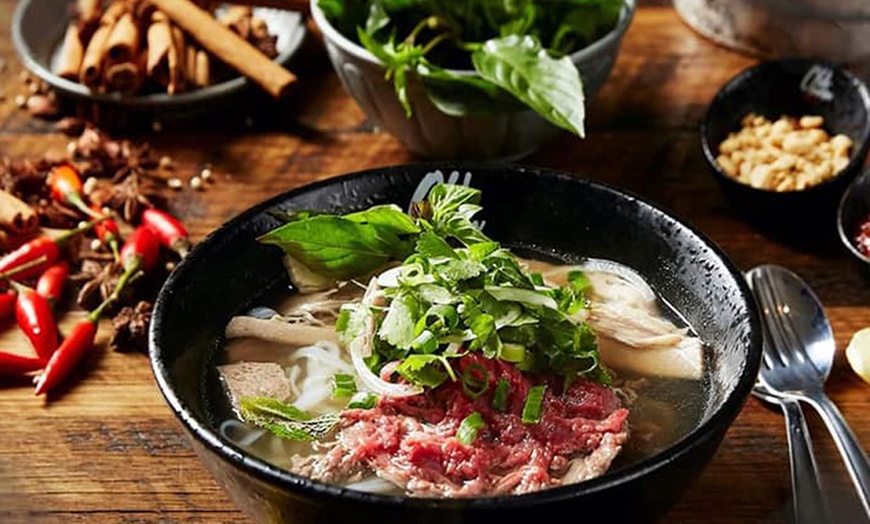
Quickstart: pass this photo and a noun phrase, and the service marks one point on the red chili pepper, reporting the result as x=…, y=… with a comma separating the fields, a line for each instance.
x=7, y=304
x=73, y=349
x=52, y=281
x=168, y=229
x=107, y=231
x=36, y=320
x=30, y=252
x=43, y=247
x=140, y=251
x=12, y=364
x=66, y=186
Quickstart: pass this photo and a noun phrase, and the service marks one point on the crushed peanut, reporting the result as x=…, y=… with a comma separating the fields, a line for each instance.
x=790, y=154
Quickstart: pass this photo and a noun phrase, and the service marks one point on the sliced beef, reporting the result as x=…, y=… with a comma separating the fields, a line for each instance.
x=412, y=441
x=254, y=379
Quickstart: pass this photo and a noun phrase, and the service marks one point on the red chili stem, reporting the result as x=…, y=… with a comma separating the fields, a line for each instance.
x=70, y=353
x=42, y=248
x=108, y=231
x=12, y=364
x=6, y=275
x=168, y=229
x=51, y=283
x=36, y=320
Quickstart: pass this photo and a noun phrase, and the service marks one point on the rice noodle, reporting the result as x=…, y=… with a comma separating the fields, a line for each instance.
x=318, y=364
x=230, y=426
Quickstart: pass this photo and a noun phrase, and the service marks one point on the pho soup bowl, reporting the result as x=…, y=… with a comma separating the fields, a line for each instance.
x=502, y=134
x=550, y=214
x=792, y=87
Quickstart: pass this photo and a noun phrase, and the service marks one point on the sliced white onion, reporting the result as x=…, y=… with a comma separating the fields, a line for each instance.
x=361, y=347
x=620, y=270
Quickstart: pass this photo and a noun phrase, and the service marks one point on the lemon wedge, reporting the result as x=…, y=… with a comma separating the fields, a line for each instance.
x=858, y=353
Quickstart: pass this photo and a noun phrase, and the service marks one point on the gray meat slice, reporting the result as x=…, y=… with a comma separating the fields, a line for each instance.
x=254, y=379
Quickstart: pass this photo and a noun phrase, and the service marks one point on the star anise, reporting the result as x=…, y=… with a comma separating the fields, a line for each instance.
x=130, y=197
x=130, y=328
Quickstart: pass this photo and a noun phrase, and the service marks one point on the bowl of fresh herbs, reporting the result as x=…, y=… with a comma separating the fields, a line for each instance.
x=477, y=79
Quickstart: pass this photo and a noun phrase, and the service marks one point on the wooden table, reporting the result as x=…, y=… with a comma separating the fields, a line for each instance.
x=110, y=450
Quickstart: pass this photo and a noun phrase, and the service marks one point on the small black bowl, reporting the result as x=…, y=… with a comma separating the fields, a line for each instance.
x=549, y=212
x=854, y=210
x=793, y=87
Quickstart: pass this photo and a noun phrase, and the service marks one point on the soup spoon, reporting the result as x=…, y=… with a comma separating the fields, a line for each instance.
x=798, y=358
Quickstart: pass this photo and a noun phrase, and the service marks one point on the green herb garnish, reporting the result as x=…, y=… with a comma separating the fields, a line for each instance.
x=363, y=400
x=343, y=385
x=518, y=49
x=469, y=427
x=532, y=407
x=500, y=394
x=454, y=292
x=285, y=420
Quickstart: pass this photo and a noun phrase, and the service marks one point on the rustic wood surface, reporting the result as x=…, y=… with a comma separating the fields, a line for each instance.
x=109, y=449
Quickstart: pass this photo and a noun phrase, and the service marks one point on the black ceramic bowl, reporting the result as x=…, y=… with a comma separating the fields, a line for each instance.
x=793, y=87
x=854, y=210
x=549, y=212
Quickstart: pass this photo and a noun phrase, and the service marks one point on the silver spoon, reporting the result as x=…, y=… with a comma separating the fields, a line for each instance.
x=798, y=358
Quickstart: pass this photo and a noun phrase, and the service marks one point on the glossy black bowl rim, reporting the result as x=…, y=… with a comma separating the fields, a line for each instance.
x=841, y=227
x=859, y=150
x=283, y=479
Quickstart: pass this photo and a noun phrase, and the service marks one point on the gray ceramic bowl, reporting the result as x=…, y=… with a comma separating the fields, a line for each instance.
x=431, y=133
x=37, y=32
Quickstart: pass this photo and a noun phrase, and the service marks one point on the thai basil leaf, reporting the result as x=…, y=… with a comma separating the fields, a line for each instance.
x=550, y=86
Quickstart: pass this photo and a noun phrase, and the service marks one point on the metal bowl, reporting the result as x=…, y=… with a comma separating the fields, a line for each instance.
x=37, y=33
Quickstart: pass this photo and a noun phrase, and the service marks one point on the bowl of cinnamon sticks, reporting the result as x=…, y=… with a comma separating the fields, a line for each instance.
x=156, y=54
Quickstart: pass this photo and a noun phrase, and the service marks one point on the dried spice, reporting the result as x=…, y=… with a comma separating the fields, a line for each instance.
x=130, y=328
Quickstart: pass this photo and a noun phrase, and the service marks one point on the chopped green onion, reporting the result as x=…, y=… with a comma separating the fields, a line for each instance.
x=363, y=400
x=426, y=342
x=343, y=386
x=468, y=428
x=532, y=407
x=510, y=352
x=472, y=384
x=500, y=395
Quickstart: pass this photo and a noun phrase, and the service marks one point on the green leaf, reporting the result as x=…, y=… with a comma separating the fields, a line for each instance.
x=285, y=420
x=469, y=428
x=398, y=326
x=529, y=297
x=388, y=216
x=431, y=245
x=333, y=246
x=550, y=86
x=425, y=370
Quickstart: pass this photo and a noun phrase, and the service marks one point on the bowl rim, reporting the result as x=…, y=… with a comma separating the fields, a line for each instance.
x=859, y=149
x=334, y=36
x=201, y=431
x=841, y=226
x=151, y=100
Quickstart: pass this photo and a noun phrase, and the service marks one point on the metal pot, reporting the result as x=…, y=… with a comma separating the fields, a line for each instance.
x=833, y=30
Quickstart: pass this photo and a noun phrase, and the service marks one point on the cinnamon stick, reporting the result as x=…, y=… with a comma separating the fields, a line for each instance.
x=125, y=77
x=202, y=69
x=123, y=42
x=177, y=62
x=159, y=43
x=92, y=63
x=227, y=46
x=88, y=17
x=71, y=54
x=16, y=216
